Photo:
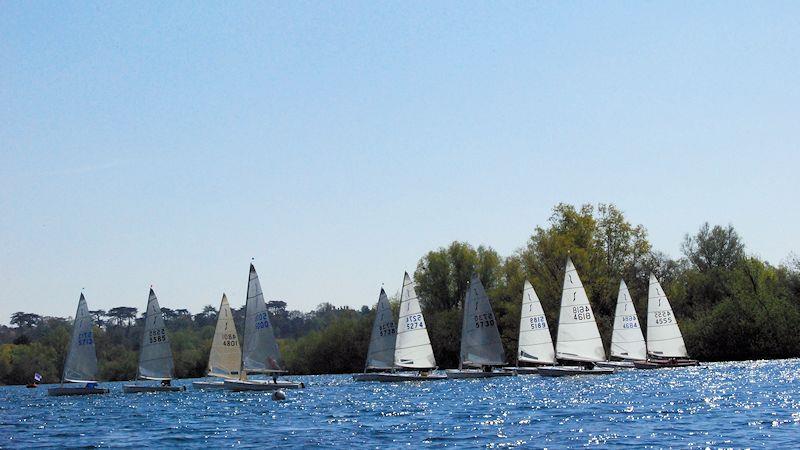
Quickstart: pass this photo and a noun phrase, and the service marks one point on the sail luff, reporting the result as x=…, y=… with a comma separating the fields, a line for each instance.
x=664, y=337
x=578, y=336
x=380, y=354
x=535, y=342
x=412, y=346
x=627, y=341
x=480, y=339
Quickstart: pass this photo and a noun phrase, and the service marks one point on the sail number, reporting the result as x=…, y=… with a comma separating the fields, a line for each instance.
x=156, y=336
x=581, y=312
x=538, y=323
x=415, y=321
x=387, y=329
x=85, y=338
x=262, y=320
x=663, y=317
x=484, y=320
x=230, y=340
x=630, y=322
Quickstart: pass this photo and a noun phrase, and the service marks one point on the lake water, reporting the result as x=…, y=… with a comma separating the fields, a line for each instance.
x=742, y=404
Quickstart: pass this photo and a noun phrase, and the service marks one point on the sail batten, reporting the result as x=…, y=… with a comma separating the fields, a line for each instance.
x=627, y=341
x=578, y=337
x=225, y=357
x=155, y=355
x=412, y=345
x=535, y=342
x=81, y=363
x=380, y=354
x=480, y=339
x=259, y=348
x=664, y=338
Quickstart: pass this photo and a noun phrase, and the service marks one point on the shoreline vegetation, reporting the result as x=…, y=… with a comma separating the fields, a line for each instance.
x=731, y=305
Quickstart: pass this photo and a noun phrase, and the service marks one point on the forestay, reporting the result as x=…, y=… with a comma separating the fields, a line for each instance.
x=413, y=346
x=627, y=341
x=480, y=340
x=260, y=349
x=81, y=363
x=384, y=332
x=578, y=337
x=535, y=342
x=155, y=357
x=225, y=358
x=664, y=338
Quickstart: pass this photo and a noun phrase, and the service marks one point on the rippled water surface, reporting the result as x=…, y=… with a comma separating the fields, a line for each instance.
x=747, y=404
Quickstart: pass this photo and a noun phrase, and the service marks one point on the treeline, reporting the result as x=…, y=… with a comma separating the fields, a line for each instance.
x=730, y=304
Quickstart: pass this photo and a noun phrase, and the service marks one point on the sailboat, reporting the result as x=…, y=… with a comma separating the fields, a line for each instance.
x=380, y=356
x=413, y=354
x=225, y=357
x=80, y=367
x=665, y=346
x=578, y=340
x=627, y=341
x=535, y=342
x=481, y=346
x=260, y=352
x=155, y=354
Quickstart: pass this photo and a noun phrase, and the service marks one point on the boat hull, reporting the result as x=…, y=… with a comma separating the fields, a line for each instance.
x=655, y=364
x=368, y=376
x=77, y=390
x=399, y=377
x=208, y=384
x=564, y=371
x=260, y=385
x=135, y=388
x=616, y=364
x=523, y=370
x=467, y=373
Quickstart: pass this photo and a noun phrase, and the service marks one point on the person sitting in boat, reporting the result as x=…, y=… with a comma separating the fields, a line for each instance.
x=166, y=383
x=275, y=379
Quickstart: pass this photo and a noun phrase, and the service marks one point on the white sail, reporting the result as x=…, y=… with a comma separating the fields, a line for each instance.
x=81, y=363
x=627, y=341
x=384, y=333
x=535, y=342
x=413, y=346
x=225, y=358
x=578, y=337
x=480, y=339
x=664, y=338
x=155, y=356
x=259, y=348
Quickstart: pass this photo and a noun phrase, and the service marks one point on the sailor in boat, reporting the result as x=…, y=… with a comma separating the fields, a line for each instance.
x=166, y=382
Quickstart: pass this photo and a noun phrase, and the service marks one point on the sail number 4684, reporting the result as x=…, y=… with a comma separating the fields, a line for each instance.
x=415, y=321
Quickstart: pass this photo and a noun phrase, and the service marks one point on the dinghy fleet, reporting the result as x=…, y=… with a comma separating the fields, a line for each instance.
x=401, y=351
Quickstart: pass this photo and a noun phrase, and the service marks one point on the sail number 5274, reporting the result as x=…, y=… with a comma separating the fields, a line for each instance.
x=415, y=321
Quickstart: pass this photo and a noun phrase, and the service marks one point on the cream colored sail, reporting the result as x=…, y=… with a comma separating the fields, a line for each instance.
x=81, y=363
x=225, y=358
x=384, y=334
x=535, y=342
x=480, y=339
x=664, y=338
x=627, y=341
x=578, y=337
x=413, y=346
x=260, y=349
x=155, y=356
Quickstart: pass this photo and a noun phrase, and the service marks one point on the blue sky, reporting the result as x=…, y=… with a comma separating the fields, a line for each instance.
x=337, y=142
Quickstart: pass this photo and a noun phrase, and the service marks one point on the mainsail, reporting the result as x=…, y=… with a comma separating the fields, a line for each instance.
x=384, y=333
x=81, y=364
x=578, y=337
x=480, y=340
x=535, y=342
x=225, y=358
x=155, y=356
x=259, y=348
x=664, y=338
x=627, y=341
x=413, y=346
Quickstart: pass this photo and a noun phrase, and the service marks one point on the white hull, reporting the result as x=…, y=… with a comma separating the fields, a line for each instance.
x=412, y=376
x=208, y=384
x=476, y=373
x=260, y=385
x=77, y=390
x=137, y=388
x=615, y=364
x=563, y=371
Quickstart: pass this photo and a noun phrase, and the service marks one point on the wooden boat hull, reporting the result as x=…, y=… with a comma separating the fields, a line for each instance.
x=260, y=385
x=399, y=377
x=467, y=373
x=564, y=371
x=135, y=388
x=656, y=364
x=208, y=384
x=77, y=390
x=616, y=364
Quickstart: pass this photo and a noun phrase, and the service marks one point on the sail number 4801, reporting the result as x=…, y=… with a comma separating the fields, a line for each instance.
x=415, y=321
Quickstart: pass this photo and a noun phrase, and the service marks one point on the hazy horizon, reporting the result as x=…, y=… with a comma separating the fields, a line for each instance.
x=337, y=143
